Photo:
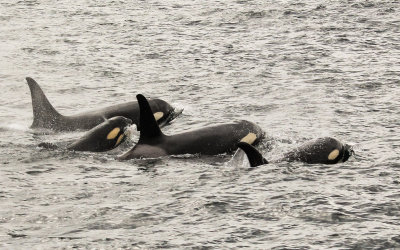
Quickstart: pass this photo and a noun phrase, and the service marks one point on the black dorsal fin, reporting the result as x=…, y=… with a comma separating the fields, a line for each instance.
x=148, y=126
x=255, y=157
x=44, y=113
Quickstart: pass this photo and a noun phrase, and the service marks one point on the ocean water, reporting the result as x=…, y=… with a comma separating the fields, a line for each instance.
x=300, y=70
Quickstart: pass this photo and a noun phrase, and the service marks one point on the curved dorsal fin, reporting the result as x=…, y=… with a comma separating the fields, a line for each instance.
x=255, y=157
x=43, y=112
x=148, y=126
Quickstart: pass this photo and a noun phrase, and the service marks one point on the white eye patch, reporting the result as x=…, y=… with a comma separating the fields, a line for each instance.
x=333, y=154
x=158, y=115
x=113, y=133
x=249, y=138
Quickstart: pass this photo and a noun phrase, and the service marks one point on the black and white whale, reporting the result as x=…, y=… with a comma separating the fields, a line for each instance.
x=46, y=116
x=211, y=140
x=324, y=150
x=105, y=136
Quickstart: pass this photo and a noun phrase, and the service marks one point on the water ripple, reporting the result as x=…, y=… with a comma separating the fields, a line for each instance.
x=300, y=70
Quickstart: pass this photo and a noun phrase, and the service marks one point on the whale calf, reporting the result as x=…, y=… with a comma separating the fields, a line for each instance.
x=105, y=136
x=211, y=140
x=326, y=150
x=46, y=116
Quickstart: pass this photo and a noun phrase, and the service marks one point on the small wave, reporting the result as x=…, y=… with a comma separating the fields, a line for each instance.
x=38, y=172
x=14, y=127
x=238, y=160
x=255, y=14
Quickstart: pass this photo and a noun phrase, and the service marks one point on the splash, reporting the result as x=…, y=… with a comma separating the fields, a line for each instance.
x=14, y=127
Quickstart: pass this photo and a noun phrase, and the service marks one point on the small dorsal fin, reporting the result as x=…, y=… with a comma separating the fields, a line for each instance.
x=43, y=112
x=255, y=157
x=147, y=123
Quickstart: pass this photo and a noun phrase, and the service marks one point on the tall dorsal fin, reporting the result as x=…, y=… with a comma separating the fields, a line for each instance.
x=44, y=113
x=255, y=157
x=148, y=126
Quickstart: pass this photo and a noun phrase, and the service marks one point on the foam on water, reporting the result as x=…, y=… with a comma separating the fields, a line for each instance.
x=14, y=127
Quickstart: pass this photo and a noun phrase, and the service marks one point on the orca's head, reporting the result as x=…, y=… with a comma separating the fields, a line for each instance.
x=326, y=150
x=164, y=112
x=118, y=129
x=342, y=155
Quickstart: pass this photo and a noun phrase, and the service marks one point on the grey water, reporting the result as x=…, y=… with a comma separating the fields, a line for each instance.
x=299, y=69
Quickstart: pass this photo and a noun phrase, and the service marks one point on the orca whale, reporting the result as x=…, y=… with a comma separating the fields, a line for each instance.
x=46, y=116
x=324, y=150
x=211, y=140
x=105, y=136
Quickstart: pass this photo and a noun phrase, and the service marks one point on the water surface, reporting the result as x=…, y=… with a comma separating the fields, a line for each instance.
x=300, y=70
